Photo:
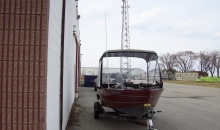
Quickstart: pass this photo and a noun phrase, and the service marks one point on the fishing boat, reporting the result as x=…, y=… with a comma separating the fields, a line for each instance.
x=133, y=88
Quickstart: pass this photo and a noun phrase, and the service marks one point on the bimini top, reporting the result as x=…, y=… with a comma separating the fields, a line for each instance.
x=144, y=54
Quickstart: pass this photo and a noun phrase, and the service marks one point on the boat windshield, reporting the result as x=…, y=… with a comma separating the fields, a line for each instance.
x=141, y=71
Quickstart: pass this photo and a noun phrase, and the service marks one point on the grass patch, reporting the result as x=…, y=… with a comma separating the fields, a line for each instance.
x=187, y=82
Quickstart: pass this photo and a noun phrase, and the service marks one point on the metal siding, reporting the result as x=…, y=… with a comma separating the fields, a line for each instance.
x=54, y=65
x=22, y=64
x=69, y=61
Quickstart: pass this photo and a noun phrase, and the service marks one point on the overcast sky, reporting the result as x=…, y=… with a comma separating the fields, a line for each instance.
x=164, y=26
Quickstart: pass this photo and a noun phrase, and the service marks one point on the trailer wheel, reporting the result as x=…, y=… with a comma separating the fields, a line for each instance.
x=95, y=89
x=96, y=115
x=96, y=110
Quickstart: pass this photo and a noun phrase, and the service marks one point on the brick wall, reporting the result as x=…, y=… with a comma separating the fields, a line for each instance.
x=22, y=64
x=30, y=51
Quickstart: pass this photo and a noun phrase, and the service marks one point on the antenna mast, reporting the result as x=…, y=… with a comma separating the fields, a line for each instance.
x=125, y=65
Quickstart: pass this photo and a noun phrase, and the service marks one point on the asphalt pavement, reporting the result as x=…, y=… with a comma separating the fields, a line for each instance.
x=183, y=107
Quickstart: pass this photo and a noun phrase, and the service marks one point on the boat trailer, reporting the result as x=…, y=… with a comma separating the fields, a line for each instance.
x=149, y=116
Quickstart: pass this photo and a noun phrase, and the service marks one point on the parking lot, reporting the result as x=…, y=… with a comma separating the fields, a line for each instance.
x=183, y=107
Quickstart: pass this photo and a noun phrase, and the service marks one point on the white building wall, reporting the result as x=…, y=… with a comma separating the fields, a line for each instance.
x=186, y=76
x=111, y=70
x=89, y=71
x=53, y=66
x=190, y=76
x=94, y=70
x=179, y=75
x=138, y=73
x=69, y=60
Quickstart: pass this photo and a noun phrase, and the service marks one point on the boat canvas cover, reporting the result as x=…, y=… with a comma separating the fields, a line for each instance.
x=147, y=55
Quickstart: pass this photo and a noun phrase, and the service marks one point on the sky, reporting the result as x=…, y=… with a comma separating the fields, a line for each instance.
x=163, y=26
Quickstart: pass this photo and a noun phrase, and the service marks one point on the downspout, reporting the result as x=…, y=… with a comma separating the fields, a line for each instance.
x=62, y=63
x=77, y=65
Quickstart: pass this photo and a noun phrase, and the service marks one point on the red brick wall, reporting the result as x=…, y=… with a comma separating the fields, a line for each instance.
x=23, y=30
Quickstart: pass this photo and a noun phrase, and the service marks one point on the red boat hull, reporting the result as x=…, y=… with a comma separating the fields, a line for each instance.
x=129, y=101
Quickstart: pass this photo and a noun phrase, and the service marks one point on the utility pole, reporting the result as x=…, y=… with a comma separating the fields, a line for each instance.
x=125, y=65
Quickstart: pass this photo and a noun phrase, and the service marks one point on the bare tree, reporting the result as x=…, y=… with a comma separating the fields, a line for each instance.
x=167, y=61
x=185, y=60
x=203, y=59
x=218, y=64
x=216, y=61
x=213, y=59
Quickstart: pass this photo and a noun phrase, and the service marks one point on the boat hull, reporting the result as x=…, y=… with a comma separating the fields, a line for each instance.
x=129, y=101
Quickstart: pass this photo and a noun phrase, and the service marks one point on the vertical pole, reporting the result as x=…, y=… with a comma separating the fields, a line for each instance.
x=62, y=63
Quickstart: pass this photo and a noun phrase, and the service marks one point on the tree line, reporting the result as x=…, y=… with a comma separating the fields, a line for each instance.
x=185, y=61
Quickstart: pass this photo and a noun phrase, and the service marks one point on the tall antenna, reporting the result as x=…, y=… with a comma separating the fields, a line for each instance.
x=106, y=38
x=125, y=65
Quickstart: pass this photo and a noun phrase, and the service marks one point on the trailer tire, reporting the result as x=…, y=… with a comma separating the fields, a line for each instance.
x=96, y=115
x=95, y=88
x=97, y=108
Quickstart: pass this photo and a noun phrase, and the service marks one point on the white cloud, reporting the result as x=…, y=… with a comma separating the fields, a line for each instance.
x=196, y=29
x=149, y=16
x=165, y=20
x=95, y=7
x=217, y=35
